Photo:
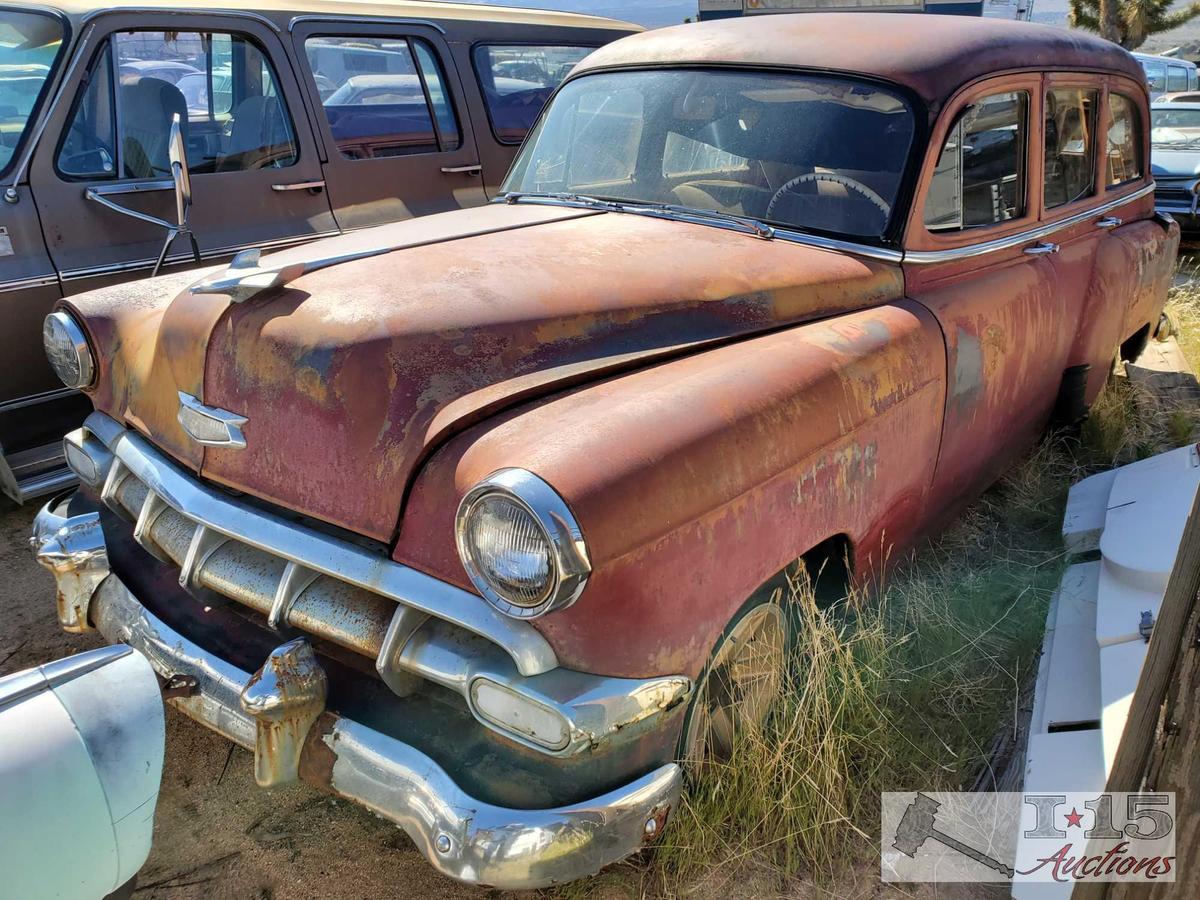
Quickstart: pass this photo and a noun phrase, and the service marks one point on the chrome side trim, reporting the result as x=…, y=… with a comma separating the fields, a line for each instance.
x=363, y=20
x=22, y=284
x=311, y=549
x=35, y=399
x=459, y=835
x=28, y=682
x=930, y=257
x=136, y=265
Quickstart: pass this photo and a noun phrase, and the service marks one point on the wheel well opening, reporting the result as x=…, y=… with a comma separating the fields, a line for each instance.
x=1132, y=348
x=827, y=567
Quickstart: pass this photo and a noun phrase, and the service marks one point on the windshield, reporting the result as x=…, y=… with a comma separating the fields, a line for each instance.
x=29, y=45
x=797, y=151
x=1174, y=127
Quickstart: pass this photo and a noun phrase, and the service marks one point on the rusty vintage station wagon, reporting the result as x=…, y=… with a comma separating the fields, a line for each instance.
x=298, y=119
x=469, y=518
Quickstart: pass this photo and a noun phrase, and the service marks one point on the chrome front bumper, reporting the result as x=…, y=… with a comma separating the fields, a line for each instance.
x=278, y=712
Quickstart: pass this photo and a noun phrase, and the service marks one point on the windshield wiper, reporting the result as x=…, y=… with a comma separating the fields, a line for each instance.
x=646, y=207
x=563, y=196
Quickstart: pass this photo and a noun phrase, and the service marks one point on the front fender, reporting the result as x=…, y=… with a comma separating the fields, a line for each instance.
x=698, y=479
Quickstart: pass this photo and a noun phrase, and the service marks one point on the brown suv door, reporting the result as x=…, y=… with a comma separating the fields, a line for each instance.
x=255, y=172
x=398, y=139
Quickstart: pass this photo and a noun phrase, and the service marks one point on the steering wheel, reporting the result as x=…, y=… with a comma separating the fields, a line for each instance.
x=844, y=180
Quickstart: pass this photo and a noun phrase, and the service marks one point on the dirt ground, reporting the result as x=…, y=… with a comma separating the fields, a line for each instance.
x=217, y=834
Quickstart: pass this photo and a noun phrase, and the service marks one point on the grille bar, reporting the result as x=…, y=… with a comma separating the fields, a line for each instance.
x=335, y=590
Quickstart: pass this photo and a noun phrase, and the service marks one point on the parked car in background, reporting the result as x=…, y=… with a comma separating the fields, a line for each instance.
x=484, y=512
x=277, y=151
x=1175, y=161
x=1168, y=74
x=81, y=757
x=1181, y=97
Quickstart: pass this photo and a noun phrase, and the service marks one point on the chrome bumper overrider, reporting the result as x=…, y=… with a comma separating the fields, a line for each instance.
x=278, y=712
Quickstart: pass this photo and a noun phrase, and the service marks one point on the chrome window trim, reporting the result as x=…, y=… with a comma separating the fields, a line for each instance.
x=311, y=549
x=335, y=19
x=929, y=257
x=117, y=268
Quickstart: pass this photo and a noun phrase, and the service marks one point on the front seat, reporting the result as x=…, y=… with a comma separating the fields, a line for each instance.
x=148, y=106
x=259, y=136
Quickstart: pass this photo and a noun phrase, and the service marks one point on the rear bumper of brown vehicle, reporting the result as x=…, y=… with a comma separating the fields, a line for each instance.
x=293, y=735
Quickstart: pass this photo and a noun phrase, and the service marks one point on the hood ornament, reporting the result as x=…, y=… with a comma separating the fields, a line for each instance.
x=246, y=277
x=209, y=425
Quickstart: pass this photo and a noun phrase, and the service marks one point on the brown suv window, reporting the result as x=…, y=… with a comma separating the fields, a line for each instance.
x=980, y=174
x=1069, y=129
x=1124, y=154
x=222, y=87
x=518, y=79
x=382, y=96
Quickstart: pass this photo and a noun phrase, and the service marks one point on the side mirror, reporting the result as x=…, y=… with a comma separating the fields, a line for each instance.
x=177, y=154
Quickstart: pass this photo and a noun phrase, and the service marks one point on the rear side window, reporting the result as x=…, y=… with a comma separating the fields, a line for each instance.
x=980, y=174
x=1069, y=130
x=221, y=86
x=1156, y=75
x=382, y=96
x=517, y=80
x=1124, y=144
x=1177, y=78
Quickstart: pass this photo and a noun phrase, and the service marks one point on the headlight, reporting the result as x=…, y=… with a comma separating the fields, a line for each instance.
x=520, y=544
x=68, y=351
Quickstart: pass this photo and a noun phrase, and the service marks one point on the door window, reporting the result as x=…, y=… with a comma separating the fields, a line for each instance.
x=382, y=96
x=980, y=174
x=29, y=48
x=1177, y=78
x=221, y=86
x=1124, y=145
x=1070, y=161
x=1156, y=75
x=518, y=80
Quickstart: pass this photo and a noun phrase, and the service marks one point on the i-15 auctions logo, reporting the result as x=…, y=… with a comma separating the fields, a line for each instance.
x=1064, y=837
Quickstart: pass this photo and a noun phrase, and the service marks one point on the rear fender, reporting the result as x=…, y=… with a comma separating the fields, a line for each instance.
x=696, y=480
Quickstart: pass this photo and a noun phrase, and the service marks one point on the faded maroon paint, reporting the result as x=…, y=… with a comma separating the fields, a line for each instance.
x=696, y=480
x=351, y=375
x=147, y=349
x=931, y=55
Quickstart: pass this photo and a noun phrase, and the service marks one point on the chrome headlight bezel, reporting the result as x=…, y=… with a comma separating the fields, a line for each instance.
x=570, y=566
x=84, y=359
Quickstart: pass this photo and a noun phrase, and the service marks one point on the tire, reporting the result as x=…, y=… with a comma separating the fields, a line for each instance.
x=742, y=679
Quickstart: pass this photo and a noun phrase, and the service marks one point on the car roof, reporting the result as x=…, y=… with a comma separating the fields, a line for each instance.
x=433, y=10
x=931, y=55
x=1174, y=59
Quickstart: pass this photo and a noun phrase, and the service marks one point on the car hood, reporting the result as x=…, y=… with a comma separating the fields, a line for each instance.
x=351, y=375
x=1175, y=163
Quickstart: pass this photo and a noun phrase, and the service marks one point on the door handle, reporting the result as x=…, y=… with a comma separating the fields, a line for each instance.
x=1041, y=249
x=474, y=169
x=299, y=186
x=1109, y=222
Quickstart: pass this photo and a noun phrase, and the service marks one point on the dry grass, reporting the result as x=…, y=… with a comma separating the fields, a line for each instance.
x=907, y=689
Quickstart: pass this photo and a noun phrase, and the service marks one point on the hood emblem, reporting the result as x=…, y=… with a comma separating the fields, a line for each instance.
x=209, y=425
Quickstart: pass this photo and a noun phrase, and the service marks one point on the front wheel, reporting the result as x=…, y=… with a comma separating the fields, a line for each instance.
x=741, y=681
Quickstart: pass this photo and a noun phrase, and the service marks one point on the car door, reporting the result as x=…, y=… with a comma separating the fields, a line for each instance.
x=396, y=137
x=101, y=173
x=971, y=260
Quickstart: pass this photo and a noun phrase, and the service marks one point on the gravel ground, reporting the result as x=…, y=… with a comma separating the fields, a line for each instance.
x=217, y=834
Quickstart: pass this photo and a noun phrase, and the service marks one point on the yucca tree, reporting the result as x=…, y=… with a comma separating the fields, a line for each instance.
x=1130, y=22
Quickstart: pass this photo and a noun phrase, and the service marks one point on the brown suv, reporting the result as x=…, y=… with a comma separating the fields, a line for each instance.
x=294, y=122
